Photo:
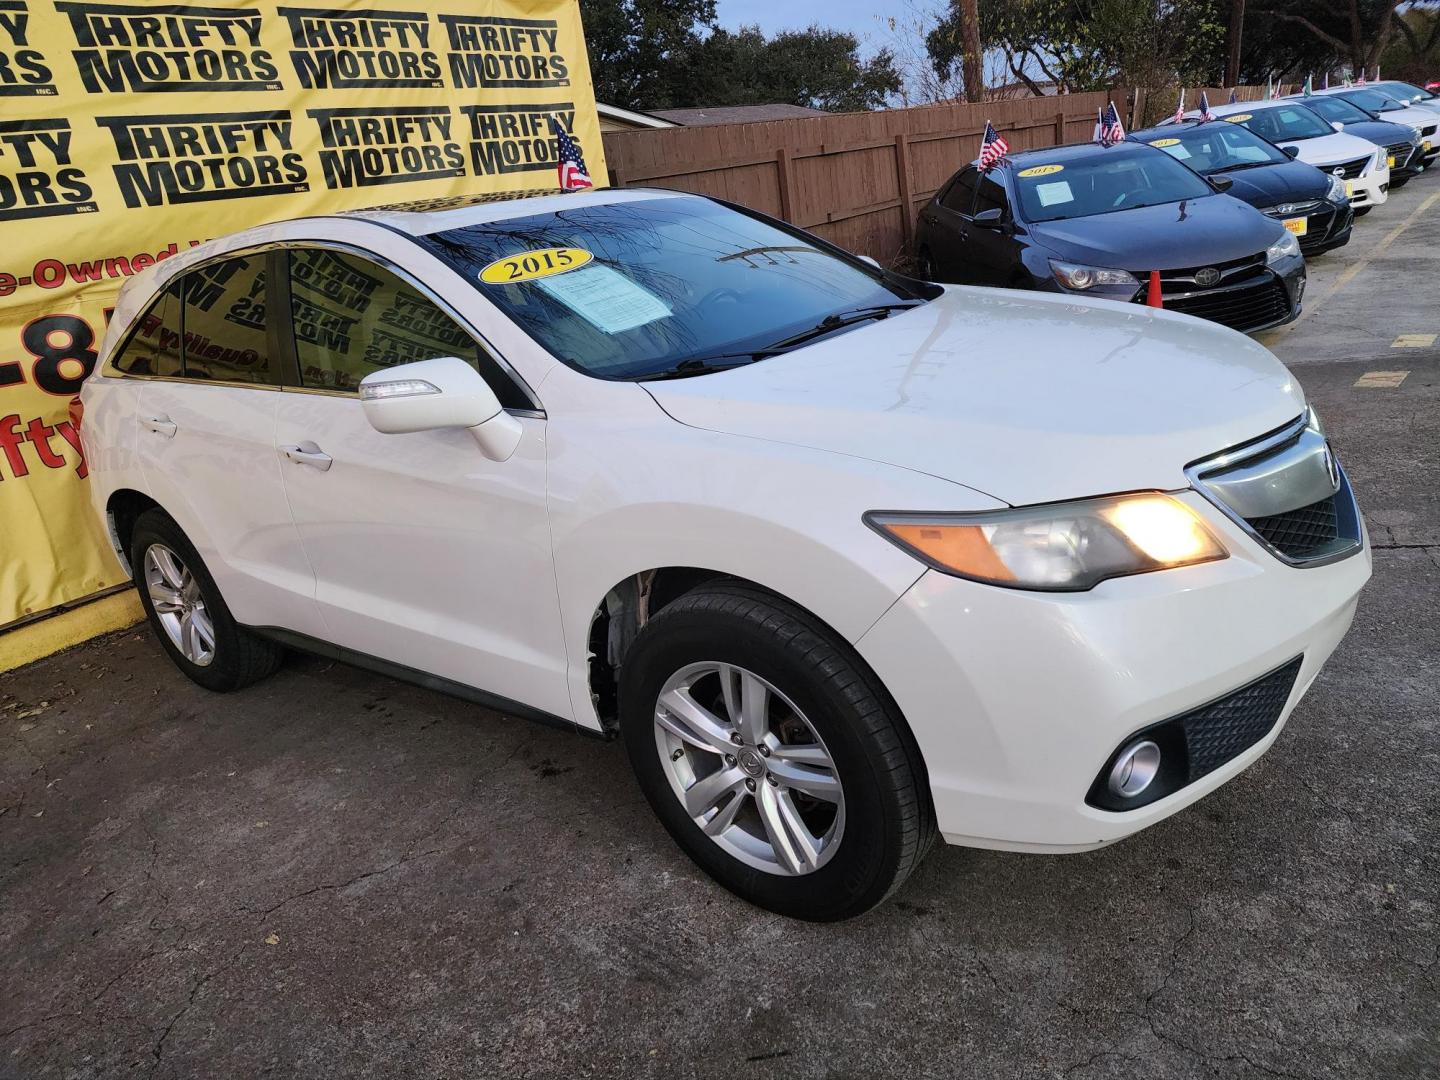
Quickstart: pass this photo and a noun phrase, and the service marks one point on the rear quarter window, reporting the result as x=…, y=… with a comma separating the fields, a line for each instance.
x=154, y=344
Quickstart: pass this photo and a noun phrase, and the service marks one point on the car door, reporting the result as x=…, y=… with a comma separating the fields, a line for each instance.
x=206, y=439
x=948, y=218
x=994, y=250
x=427, y=553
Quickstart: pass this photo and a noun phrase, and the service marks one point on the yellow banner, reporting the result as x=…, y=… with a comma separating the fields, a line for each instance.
x=131, y=131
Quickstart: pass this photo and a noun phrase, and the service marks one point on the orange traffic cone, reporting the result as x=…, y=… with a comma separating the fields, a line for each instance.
x=1152, y=295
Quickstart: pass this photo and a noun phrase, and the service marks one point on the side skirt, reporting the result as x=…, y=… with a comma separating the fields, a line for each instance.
x=304, y=643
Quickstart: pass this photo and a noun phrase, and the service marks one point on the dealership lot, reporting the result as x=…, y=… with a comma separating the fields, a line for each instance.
x=333, y=873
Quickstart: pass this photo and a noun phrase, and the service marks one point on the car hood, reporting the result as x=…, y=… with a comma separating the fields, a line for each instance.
x=1331, y=149
x=1380, y=132
x=1269, y=185
x=1196, y=232
x=1025, y=397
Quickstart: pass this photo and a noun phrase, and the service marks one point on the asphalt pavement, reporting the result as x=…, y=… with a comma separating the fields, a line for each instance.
x=336, y=875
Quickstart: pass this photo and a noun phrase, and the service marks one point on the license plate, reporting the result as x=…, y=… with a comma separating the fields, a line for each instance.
x=1349, y=189
x=1391, y=159
x=1297, y=225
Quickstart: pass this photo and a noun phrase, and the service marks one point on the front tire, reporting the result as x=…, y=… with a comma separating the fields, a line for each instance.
x=189, y=615
x=772, y=755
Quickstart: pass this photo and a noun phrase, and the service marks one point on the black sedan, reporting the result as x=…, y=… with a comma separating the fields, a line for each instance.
x=1407, y=157
x=1308, y=202
x=1096, y=221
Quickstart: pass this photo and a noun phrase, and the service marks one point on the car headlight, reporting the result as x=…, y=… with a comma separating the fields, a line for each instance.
x=1283, y=248
x=1312, y=421
x=1074, y=276
x=1059, y=547
x=1336, y=191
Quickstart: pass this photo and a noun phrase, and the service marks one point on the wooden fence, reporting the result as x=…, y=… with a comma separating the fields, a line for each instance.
x=857, y=179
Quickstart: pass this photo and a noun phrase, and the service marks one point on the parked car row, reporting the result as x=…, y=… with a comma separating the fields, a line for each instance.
x=1223, y=209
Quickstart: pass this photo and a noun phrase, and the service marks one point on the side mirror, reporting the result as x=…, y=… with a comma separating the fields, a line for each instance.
x=872, y=261
x=993, y=218
x=445, y=392
x=1337, y=125
x=1291, y=151
x=1222, y=183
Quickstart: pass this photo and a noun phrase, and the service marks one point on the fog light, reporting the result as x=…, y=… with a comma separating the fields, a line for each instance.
x=1135, y=769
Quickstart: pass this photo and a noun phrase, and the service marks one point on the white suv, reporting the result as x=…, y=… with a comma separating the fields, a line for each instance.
x=847, y=559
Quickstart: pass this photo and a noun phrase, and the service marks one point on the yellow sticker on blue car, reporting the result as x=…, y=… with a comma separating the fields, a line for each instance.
x=1239, y=118
x=531, y=265
x=1165, y=142
x=1041, y=170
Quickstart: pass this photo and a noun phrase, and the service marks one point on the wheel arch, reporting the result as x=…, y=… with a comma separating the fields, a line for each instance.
x=122, y=509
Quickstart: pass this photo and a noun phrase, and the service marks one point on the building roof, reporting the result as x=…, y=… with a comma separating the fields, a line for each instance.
x=630, y=118
x=738, y=114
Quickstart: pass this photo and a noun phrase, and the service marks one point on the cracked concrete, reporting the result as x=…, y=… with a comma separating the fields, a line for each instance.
x=335, y=875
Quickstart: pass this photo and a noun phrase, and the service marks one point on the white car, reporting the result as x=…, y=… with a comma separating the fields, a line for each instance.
x=846, y=559
x=1287, y=123
x=1425, y=123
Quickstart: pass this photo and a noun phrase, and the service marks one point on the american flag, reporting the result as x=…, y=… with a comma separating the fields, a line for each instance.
x=1108, y=129
x=1205, y=114
x=1180, y=107
x=1233, y=97
x=992, y=148
x=1361, y=81
x=572, y=172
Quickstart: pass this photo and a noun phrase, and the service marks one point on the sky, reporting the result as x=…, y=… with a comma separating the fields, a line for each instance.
x=861, y=17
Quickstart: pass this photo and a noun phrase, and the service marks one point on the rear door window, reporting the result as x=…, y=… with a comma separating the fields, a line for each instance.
x=226, y=339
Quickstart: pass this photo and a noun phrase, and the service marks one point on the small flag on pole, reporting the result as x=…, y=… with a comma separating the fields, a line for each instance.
x=992, y=148
x=1268, y=92
x=569, y=162
x=1180, y=107
x=1205, y=114
x=1327, y=79
x=1309, y=85
x=1108, y=129
x=1233, y=97
x=1361, y=81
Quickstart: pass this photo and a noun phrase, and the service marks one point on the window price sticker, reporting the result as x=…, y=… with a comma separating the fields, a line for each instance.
x=604, y=298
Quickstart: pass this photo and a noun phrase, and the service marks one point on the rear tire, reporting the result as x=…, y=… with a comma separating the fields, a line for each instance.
x=831, y=766
x=188, y=614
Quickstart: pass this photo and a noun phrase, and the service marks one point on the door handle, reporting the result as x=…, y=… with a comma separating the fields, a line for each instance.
x=307, y=453
x=161, y=425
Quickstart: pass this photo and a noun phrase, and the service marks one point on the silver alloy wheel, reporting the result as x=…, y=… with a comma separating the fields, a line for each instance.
x=179, y=607
x=749, y=768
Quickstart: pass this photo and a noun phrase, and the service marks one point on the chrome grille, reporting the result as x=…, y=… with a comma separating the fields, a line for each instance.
x=1348, y=169
x=1288, y=492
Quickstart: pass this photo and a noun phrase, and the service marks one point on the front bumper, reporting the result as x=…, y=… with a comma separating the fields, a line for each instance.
x=1018, y=699
x=1371, y=189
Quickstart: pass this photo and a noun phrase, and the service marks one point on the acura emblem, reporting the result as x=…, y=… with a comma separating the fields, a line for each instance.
x=1207, y=277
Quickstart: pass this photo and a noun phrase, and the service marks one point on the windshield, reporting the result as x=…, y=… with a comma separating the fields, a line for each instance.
x=1407, y=92
x=1211, y=148
x=632, y=289
x=1103, y=183
x=1337, y=109
x=1374, y=100
x=1282, y=123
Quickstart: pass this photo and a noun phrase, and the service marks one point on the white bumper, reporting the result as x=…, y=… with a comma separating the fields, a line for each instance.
x=1018, y=699
x=1371, y=188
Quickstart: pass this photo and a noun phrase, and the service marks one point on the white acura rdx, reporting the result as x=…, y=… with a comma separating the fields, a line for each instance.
x=845, y=558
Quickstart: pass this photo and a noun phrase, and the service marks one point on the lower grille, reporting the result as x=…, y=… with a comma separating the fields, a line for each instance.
x=1401, y=153
x=1196, y=743
x=1302, y=533
x=1225, y=729
x=1239, y=309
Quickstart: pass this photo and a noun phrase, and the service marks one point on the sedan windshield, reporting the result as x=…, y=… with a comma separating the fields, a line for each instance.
x=1337, y=110
x=1407, y=92
x=1108, y=181
x=1376, y=101
x=1282, y=123
x=664, y=286
x=1216, y=147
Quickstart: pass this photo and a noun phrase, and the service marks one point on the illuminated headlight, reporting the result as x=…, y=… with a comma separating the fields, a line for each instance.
x=1336, y=193
x=1073, y=276
x=1283, y=248
x=1060, y=547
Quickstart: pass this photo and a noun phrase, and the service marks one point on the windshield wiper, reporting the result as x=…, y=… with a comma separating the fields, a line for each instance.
x=1244, y=165
x=842, y=319
x=704, y=365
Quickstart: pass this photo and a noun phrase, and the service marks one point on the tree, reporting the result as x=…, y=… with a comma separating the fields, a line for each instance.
x=638, y=48
x=1415, y=53
x=818, y=68
x=971, y=53
x=1355, y=32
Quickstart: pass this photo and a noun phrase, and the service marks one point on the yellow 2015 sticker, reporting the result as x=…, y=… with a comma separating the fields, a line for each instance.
x=530, y=265
x=1166, y=142
x=1041, y=170
x=1239, y=118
